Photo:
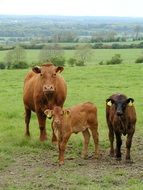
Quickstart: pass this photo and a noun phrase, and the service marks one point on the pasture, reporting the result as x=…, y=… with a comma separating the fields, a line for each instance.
x=29, y=164
x=98, y=55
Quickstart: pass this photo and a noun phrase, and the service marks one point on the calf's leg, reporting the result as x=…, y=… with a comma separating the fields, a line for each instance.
x=86, y=136
x=54, y=138
x=62, y=146
x=118, y=145
x=95, y=136
x=111, y=139
x=128, y=145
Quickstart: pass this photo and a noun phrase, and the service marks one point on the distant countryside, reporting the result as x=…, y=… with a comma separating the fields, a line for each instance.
x=67, y=40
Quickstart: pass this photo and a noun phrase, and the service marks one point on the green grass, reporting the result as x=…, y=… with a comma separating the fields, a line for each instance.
x=29, y=164
x=98, y=55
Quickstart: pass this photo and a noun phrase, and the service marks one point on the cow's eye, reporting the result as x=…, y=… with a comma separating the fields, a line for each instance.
x=41, y=74
x=54, y=75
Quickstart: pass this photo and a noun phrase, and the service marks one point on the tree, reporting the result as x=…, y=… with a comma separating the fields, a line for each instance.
x=82, y=54
x=51, y=51
x=16, y=58
x=137, y=29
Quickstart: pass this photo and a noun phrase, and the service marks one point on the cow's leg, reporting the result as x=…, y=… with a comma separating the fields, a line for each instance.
x=62, y=146
x=42, y=126
x=54, y=138
x=111, y=139
x=118, y=145
x=27, y=121
x=86, y=136
x=95, y=136
x=128, y=145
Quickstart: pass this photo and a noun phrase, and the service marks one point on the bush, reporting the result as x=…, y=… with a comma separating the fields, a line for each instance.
x=2, y=66
x=116, y=59
x=139, y=60
x=20, y=65
x=72, y=62
x=58, y=61
x=80, y=63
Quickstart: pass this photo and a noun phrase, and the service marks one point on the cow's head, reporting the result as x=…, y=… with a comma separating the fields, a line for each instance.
x=58, y=115
x=48, y=77
x=120, y=104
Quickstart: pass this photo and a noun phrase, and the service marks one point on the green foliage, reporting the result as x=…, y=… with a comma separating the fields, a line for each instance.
x=2, y=65
x=80, y=63
x=71, y=62
x=139, y=60
x=116, y=59
x=20, y=65
x=58, y=61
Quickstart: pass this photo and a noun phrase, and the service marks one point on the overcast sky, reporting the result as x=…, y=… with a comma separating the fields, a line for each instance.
x=131, y=8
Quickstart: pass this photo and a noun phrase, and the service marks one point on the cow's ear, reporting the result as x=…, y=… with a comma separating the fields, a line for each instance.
x=36, y=69
x=130, y=101
x=109, y=102
x=59, y=69
x=48, y=113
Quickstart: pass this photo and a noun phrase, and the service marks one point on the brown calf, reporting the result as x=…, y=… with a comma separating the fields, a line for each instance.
x=44, y=88
x=121, y=119
x=79, y=118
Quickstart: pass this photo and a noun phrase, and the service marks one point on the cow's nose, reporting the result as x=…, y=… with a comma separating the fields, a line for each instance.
x=57, y=122
x=119, y=113
x=48, y=88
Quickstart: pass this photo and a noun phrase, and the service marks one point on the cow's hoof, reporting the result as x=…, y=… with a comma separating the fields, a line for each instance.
x=54, y=142
x=42, y=139
x=118, y=158
x=129, y=161
x=61, y=163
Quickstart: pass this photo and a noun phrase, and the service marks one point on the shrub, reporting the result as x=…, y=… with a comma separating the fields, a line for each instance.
x=139, y=60
x=20, y=65
x=80, y=63
x=116, y=59
x=72, y=62
x=58, y=61
x=2, y=66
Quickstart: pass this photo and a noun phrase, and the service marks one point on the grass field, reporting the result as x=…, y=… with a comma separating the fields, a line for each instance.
x=98, y=55
x=29, y=164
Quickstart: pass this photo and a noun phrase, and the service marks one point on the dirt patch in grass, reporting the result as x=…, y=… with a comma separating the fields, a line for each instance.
x=40, y=170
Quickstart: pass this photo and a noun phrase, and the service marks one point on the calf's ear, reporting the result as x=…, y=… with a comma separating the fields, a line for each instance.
x=48, y=113
x=109, y=102
x=36, y=69
x=130, y=101
x=59, y=69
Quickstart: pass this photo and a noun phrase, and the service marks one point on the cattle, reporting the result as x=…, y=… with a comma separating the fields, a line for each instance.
x=79, y=118
x=121, y=120
x=44, y=88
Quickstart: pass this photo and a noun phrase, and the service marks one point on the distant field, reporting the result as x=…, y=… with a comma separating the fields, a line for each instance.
x=128, y=55
x=29, y=164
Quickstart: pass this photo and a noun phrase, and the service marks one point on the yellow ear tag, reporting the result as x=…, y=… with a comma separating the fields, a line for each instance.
x=46, y=112
x=130, y=104
x=109, y=103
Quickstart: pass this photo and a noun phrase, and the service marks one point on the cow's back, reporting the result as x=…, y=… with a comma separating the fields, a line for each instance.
x=83, y=114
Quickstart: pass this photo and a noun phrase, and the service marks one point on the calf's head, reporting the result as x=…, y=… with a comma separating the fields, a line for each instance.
x=58, y=114
x=48, y=77
x=120, y=104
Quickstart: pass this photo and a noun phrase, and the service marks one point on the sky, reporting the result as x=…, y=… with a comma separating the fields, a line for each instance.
x=127, y=8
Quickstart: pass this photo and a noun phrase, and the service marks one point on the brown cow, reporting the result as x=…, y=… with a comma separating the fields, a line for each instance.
x=79, y=118
x=121, y=119
x=43, y=89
